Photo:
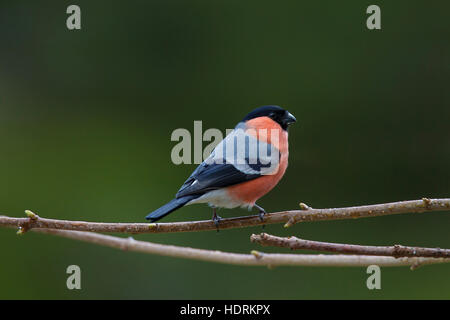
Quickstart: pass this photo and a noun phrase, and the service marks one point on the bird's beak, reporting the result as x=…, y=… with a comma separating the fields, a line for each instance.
x=289, y=118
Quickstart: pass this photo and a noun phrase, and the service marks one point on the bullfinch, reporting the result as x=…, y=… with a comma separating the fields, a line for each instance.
x=242, y=168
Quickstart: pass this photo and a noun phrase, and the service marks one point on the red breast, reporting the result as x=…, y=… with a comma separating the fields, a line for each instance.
x=249, y=192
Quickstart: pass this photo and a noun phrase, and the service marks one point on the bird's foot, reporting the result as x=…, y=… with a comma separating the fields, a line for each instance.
x=261, y=214
x=261, y=217
x=216, y=219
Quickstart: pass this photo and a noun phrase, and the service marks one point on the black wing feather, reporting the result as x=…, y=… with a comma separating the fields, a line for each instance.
x=213, y=176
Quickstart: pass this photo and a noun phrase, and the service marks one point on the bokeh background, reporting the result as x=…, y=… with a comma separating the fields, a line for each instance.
x=86, y=118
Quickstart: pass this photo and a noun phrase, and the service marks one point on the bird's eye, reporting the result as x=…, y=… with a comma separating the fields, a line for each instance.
x=271, y=115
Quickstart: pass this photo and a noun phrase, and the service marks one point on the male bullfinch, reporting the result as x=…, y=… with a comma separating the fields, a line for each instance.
x=242, y=168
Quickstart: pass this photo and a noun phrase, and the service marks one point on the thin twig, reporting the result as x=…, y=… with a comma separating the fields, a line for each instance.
x=254, y=259
x=396, y=251
x=288, y=217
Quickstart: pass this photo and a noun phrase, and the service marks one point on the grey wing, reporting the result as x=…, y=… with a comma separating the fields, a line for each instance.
x=235, y=160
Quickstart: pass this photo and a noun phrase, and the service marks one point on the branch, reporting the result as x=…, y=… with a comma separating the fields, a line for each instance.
x=254, y=259
x=396, y=251
x=288, y=217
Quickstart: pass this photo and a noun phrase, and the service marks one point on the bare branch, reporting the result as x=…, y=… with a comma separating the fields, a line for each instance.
x=254, y=259
x=77, y=230
x=396, y=251
x=288, y=217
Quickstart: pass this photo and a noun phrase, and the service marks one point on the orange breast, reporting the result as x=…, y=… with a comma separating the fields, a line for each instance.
x=269, y=131
x=249, y=192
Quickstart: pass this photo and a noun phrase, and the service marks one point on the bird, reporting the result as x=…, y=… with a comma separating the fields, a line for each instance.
x=243, y=167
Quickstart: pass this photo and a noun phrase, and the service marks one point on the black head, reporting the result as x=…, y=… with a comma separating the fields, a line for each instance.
x=283, y=117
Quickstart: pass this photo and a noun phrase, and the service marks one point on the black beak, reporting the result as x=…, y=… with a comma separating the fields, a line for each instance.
x=289, y=118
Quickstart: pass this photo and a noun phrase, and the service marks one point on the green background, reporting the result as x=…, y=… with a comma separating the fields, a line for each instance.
x=86, y=118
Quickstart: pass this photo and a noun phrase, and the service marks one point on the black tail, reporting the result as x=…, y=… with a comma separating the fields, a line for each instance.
x=169, y=207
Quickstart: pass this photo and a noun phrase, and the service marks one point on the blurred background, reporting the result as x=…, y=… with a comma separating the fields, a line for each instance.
x=86, y=118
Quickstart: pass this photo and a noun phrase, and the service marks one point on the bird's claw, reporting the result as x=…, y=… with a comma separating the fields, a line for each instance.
x=261, y=215
x=216, y=219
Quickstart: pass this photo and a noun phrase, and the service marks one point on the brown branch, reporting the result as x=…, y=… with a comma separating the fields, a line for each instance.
x=396, y=251
x=288, y=217
x=254, y=259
